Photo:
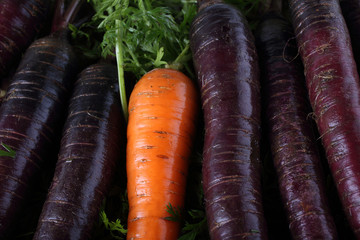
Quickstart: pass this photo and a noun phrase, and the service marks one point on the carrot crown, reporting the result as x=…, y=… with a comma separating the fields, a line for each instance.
x=143, y=34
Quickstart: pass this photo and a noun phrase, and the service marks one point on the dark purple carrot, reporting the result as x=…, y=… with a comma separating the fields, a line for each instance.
x=226, y=64
x=90, y=147
x=293, y=145
x=334, y=91
x=58, y=17
x=351, y=13
x=20, y=21
x=30, y=115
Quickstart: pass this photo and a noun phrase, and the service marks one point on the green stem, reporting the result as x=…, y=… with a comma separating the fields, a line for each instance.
x=120, y=66
x=133, y=56
x=180, y=60
x=141, y=5
x=183, y=55
x=143, y=9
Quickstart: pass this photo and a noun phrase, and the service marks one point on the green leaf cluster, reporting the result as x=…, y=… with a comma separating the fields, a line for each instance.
x=193, y=230
x=193, y=227
x=175, y=213
x=117, y=230
x=152, y=33
x=144, y=34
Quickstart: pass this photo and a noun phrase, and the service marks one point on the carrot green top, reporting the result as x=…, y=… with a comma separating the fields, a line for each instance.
x=145, y=34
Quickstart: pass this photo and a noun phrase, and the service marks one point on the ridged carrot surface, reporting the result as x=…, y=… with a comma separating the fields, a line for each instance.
x=351, y=12
x=90, y=147
x=20, y=21
x=30, y=117
x=226, y=63
x=293, y=145
x=334, y=90
x=162, y=119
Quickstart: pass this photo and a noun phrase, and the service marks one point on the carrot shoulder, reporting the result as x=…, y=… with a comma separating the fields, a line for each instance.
x=161, y=128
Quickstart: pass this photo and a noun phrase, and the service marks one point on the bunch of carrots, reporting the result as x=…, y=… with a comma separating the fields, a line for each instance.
x=179, y=119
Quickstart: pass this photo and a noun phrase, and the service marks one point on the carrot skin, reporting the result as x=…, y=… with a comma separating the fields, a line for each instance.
x=293, y=145
x=30, y=115
x=20, y=21
x=351, y=13
x=226, y=63
x=334, y=89
x=90, y=147
x=162, y=123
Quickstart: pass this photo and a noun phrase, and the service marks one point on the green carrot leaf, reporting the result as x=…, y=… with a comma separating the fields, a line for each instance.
x=158, y=62
x=143, y=34
x=144, y=30
x=175, y=213
x=196, y=228
x=8, y=152
x=115, y=227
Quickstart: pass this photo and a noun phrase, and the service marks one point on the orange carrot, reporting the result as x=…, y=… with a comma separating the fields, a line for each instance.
x=162, y=119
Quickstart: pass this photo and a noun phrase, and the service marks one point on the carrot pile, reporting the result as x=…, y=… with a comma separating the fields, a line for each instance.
x=154, y=119
x=293, y=146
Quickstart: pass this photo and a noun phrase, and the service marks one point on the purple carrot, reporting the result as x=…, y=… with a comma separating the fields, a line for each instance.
x=63, y=18
x=293, y=145
x=334, y=91
x=30, y=114
x=90, y=147
x=20, y=21
x=58, y=17
x=35, y=101
x=226, y=63
x=351, y=13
